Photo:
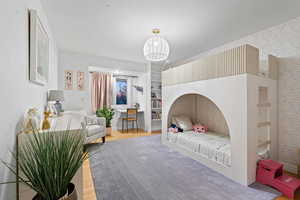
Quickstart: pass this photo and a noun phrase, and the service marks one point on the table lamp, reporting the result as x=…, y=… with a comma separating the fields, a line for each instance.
x=57, y=96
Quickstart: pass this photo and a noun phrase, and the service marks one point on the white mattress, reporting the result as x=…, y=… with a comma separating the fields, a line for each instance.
x=209, y=145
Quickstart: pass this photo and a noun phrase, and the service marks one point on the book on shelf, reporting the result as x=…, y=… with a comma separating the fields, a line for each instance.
x=156, y=115
x=156, y=104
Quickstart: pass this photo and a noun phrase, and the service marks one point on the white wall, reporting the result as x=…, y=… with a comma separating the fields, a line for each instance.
x=17, y=93
x=282, y=41
x=75, y=99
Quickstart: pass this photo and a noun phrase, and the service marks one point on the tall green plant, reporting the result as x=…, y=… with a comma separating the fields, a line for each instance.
x=107, y=113
x=49, y=161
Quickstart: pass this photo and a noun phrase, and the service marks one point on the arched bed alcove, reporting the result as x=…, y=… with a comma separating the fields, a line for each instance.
x=213, y=145
x=200, y=109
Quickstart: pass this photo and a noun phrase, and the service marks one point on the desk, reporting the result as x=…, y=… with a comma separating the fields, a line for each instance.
x=120, y=113
x=61, y=123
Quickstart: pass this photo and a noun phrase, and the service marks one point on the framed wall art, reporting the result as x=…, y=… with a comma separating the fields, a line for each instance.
x=80, y=80
x=68, y=80
x=38, y=50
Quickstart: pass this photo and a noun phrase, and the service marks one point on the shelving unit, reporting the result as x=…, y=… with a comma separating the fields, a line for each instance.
x=156, y=99
x=153, y=111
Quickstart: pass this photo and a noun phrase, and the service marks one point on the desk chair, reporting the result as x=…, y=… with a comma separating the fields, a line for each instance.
x=131, y=116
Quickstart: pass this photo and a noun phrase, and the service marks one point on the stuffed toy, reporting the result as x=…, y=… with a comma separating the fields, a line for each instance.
x=198, y=128
x=173, y=126
x=174, y=129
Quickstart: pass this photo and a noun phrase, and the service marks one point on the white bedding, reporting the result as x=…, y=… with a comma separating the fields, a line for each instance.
x=210, y=145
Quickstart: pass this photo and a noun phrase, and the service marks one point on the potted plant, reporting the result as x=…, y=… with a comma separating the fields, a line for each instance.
x=48, y=161
x=108, y=114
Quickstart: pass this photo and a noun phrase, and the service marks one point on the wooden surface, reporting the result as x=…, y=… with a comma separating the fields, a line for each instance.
x=120, y=113
x=239, y=60
x=88, y=185
x=125, y=111
x=273, y=67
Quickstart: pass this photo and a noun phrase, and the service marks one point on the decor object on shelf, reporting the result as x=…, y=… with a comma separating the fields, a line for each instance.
x=38, y=160
x=46, y=123
x=137, y=105
x=31, y=120
x=57, y=96
x=156, y=48
x=153, y=95
x=108, y=114
x=139, y=88
x=39, y=50
x=270, y=172
x=80, y=80
x=69, y=80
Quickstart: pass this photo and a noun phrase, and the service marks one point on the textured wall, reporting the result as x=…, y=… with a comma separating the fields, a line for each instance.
x=282, y=41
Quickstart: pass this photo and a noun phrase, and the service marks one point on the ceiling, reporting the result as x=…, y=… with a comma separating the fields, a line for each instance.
x=119, y=28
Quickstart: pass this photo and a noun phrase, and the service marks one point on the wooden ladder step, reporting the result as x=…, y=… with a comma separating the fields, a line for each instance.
x=264, y=143
x=263, y=124
x=263, y=105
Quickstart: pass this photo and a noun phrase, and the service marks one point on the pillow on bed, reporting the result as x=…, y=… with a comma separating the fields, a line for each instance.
x=173, y=121
x=184, y=122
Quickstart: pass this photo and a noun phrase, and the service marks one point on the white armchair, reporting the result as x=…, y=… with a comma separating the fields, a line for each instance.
x=94, y=128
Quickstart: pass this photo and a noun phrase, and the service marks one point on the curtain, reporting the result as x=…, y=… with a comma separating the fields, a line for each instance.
x=101, y=90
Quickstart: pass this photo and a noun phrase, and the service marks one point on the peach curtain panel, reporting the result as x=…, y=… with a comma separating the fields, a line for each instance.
x=101, y=90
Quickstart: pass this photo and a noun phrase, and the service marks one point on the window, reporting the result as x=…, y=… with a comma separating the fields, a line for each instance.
x=121, y=91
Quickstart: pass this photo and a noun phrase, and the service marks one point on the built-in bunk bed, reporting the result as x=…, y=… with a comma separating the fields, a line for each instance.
x=234, y=94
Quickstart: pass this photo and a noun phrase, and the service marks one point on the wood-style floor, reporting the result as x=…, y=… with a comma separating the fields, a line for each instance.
x=88, y=185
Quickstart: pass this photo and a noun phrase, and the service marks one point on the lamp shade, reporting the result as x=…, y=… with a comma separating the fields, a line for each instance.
x=156, y=48
x=56, y=95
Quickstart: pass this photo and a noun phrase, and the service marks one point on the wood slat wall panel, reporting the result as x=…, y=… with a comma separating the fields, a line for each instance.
x=252, y=60
x=240, y=60
x=273, y=67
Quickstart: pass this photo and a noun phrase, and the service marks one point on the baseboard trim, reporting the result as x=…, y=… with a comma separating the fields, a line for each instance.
x=290, y=167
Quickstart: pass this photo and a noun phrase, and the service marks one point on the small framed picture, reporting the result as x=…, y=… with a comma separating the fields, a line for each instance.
x=68, y=80
x=80, y=80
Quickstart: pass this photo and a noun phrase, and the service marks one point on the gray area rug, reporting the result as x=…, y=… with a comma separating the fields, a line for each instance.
x=144, y=169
